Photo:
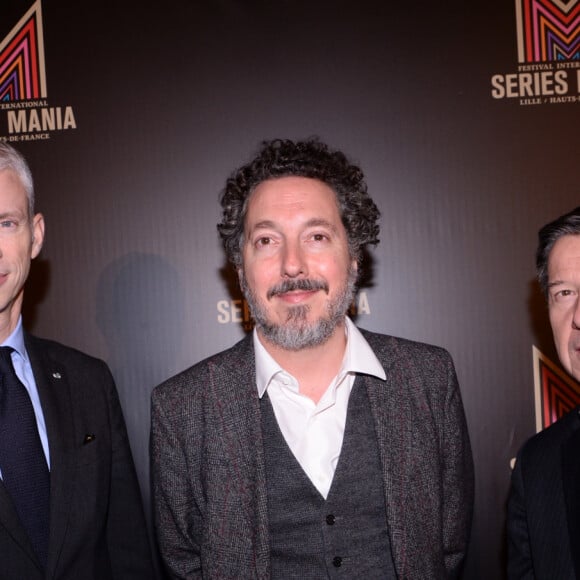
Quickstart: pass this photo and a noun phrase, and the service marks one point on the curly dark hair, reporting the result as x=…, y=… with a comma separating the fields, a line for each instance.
x=565, y=225
x=309, y=158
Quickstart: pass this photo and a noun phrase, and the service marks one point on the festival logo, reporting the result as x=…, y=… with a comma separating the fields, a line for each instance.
x=238, y=312
x=25, y=111
x=556, y=393
x=548, y=51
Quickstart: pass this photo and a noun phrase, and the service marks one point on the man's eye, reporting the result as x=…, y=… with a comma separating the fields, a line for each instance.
x=319, y=237
x=7, y=224
x=563, y=294
x=264, y=241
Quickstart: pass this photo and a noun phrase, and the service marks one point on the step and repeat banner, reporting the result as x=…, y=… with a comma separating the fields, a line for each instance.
x=463, y=116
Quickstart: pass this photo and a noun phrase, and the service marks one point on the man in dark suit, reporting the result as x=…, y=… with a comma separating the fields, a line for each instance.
x=310, y=449
x=70, y=505
x=544, y=505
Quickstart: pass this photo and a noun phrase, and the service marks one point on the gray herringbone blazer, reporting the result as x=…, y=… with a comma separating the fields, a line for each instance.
x=209, y=473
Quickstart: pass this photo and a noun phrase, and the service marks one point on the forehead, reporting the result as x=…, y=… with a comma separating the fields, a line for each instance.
x=287, y=197
x=564, y=257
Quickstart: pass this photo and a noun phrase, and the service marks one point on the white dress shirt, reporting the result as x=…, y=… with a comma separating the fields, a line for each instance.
x=24, y=372
x=314, y=431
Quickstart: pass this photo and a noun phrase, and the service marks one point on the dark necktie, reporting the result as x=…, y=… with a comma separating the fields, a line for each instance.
x=22, y=460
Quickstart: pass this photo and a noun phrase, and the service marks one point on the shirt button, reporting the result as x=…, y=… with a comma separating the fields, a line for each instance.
x=337, y=561
x=330, y=519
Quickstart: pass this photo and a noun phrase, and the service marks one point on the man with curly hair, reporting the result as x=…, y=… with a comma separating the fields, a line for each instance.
x=310, y=449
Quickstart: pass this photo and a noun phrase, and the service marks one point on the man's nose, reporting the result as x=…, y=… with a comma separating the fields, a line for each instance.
x=293, y=261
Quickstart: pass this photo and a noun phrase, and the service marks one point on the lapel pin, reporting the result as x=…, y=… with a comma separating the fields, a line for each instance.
x=89, y=437
x=57, y=375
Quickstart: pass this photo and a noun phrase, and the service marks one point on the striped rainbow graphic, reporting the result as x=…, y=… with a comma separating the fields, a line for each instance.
x=548, y=30
x=22, y=72
x=556, y=393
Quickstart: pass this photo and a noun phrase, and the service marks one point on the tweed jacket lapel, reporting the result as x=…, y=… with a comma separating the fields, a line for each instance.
x=571, y=484
x=54, y=392
x=404, y=407
x=393, y=418
x=232, y=380
x=395, y=458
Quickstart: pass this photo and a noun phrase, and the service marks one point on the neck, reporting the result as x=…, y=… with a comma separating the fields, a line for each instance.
x=314, y=368
x=8, y=322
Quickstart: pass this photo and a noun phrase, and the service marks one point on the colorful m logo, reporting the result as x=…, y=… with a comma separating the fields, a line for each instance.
x=548, y=30
x=22, y=72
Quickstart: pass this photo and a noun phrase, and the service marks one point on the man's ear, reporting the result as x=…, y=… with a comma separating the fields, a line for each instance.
x=37, y=234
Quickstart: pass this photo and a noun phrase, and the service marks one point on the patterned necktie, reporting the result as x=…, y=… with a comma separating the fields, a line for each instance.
x=22, y=460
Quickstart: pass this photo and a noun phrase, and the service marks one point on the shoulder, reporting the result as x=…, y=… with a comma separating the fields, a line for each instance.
x=396, y=350
x=71, y=375
x=422, y=374
x=44, y=351
x=224, y=368
x=544, y=446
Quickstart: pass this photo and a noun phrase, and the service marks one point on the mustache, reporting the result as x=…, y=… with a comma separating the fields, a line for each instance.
x=301, y=284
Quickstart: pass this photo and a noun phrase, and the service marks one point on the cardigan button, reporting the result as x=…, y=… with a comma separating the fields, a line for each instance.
x=330, y=519
x=337, y=561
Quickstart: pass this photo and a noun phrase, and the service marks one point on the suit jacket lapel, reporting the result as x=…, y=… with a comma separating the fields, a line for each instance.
x=54, y=393
x=391, y=437
x=240, y=427
x=395, y=424
x=571, y=484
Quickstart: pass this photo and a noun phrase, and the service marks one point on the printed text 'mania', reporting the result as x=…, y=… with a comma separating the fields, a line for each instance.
x=45, y=119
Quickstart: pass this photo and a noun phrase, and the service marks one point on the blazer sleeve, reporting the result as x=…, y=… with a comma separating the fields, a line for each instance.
x=175, y=509
x=458, y=479
x=127, y=538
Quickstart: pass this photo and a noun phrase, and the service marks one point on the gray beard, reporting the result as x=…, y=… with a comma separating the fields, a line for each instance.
x=297, y=333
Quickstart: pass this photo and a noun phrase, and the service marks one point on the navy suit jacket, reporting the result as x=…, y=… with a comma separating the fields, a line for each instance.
x=209, y=474
x=97, y=525
x=544, y=505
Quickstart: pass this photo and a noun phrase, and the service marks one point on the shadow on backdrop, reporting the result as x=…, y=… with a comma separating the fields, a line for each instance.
x=140, y=302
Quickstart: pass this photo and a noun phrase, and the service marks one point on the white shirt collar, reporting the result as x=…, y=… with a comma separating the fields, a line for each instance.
x=358, y=358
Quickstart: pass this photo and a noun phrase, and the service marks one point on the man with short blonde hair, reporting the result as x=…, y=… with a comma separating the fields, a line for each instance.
x=70, y=505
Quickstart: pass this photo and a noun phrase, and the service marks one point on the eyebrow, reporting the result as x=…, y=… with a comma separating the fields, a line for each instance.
x=11, y=214
x=555, y=283
x=263, y=225
x=314, y=222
